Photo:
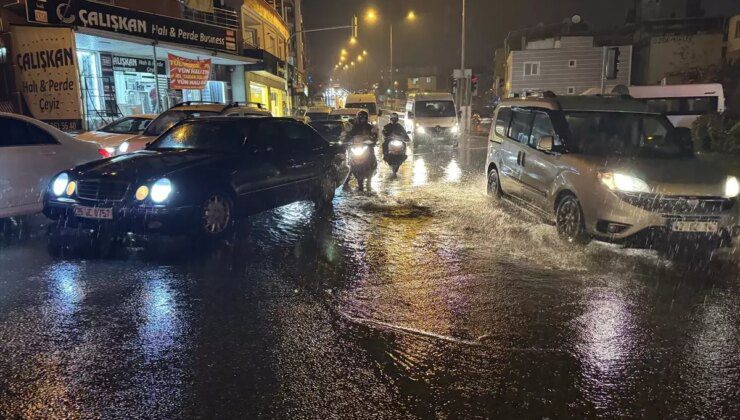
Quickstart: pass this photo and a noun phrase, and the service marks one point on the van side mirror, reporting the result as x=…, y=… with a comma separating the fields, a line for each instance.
x=546, y=143
x=410, y=115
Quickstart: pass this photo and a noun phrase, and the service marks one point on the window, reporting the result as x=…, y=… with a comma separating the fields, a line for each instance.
x=20, y=133
x=222, y=137
x=571, y=90
x=521, y=126
x=532, y=68
x=572, y=63
x=683, y=106
x=300, y=139
x=542, y=126
x=502, y=124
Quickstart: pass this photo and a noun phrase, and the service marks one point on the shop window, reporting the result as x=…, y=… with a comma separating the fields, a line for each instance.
x=92, y=88
x=214, y=91
x=258, y=94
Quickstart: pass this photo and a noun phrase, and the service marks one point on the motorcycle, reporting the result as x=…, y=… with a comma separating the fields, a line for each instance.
x=362, y=160
x=394, y=154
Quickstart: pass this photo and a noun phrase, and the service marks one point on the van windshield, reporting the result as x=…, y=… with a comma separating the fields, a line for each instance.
x=623, y=134
x=435, y=109
x=368, y=106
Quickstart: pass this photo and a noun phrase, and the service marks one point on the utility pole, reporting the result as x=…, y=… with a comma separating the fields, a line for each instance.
x=393, y=87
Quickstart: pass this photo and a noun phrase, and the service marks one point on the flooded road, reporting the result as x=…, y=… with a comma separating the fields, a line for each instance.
x=417, y=299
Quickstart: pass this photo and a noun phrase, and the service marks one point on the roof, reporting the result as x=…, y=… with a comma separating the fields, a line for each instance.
x=581, y=103
x=346, y=111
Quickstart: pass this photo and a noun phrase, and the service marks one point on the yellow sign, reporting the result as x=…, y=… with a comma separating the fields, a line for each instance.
x=46, y=63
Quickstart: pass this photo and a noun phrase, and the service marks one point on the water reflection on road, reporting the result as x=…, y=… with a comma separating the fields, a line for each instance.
x=415, y=299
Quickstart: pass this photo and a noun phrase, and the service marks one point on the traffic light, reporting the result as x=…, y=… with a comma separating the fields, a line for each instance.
x=474, y=85
x=611, y=67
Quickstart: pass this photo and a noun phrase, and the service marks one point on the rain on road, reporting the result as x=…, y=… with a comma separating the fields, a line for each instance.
x=418, y=299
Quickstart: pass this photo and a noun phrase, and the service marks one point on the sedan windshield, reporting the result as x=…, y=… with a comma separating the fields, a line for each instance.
x=623, y=134
x=165, y=121
x=317, y=116
x=221, y=136
x=435, y=109
x=129, y=125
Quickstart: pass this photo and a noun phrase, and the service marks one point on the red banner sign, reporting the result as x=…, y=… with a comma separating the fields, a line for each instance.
x=186, y=73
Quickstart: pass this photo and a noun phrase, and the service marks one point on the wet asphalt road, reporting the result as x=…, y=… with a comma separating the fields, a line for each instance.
x=418, y=299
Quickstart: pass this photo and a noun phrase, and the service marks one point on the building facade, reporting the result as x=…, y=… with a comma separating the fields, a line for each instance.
x=124, y=49
x=564, y=65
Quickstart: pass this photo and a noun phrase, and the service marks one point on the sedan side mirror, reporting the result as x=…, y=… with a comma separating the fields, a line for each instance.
x=546, y=143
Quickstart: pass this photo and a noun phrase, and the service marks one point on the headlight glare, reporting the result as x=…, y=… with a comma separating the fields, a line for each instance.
x=142, y=193
x=420, y=129
x=358, y=150
x=161, y=190
x=455, y=129
x=59, y=186
x=123, y=148
x=624, y=183
x=396, y=143
x=732, y=187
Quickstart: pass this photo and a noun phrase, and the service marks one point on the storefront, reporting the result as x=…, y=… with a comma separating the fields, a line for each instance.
x=267, y=83
x=124, y=59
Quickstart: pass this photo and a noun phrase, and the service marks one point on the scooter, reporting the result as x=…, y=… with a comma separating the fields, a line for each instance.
x=395, y=153
x=362, y=160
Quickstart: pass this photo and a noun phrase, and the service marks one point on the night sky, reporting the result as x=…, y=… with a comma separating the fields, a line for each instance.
x=435, y=38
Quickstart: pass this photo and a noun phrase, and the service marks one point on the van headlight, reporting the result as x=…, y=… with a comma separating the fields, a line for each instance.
x=123, y=148
x=732, y=187
x=420, y=129
x=624, y=183
x=455, y=129
x=59, y=185
x=161, y=190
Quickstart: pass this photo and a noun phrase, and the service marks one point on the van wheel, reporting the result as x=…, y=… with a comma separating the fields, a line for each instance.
x=494, y=185
x=569, y=221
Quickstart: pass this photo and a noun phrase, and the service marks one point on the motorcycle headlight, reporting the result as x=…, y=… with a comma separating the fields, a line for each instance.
x=358, y=150
x=732, y=187
x=455, y=129
x=59, y=185
x=396, y=143
x=623, y=182
x=420, y=129
x=123, y=148
x=161, y=190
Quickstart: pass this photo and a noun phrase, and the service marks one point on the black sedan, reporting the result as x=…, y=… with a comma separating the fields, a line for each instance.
x=197, y=178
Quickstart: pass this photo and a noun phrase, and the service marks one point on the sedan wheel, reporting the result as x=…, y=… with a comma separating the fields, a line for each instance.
x=569, y=221
x=216, y=215
x=327, y=189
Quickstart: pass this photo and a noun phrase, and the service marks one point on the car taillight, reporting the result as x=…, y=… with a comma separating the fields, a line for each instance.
x=104, y=153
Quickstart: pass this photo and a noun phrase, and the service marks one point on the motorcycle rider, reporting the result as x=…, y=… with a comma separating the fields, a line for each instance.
x=393, y=129
x=362, y=127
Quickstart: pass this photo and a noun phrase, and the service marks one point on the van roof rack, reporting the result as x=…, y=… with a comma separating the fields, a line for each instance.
x=540, y=94
x=258, y=105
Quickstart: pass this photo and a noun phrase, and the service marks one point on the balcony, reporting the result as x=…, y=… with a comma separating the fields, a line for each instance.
x=224, y=18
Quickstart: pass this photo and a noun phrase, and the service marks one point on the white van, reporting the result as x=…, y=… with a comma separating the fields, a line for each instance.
x=682, y=104
x=432, y=117
x=366, y=101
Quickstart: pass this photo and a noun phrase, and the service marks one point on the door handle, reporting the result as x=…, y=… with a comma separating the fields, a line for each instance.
x=519, y=158
x=524, y=155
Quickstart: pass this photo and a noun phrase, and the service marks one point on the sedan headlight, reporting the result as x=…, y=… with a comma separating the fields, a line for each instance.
x=420, y=129
x=59, y=185
x=123, y=148
x=358, y=150
x=624, y=183
x=732, y=187
x=161, y=190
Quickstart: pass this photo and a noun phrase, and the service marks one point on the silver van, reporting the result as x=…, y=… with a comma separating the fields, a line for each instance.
x=607, y=168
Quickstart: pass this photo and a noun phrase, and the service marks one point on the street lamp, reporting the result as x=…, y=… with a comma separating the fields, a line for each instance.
x=371, y=16
x=364, y=52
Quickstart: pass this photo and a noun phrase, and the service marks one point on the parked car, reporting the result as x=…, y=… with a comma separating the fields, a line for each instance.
x=193, y=109
x=610, y=169
x=196, y=179
x=114, y=136
x=31, y=153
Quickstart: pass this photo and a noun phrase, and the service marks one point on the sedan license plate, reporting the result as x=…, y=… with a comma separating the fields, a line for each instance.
x=695, y=226
x=94, y=213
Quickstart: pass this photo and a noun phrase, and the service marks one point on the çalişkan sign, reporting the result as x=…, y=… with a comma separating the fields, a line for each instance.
x=107, y=17
x=46, y=62
x=186, y=73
